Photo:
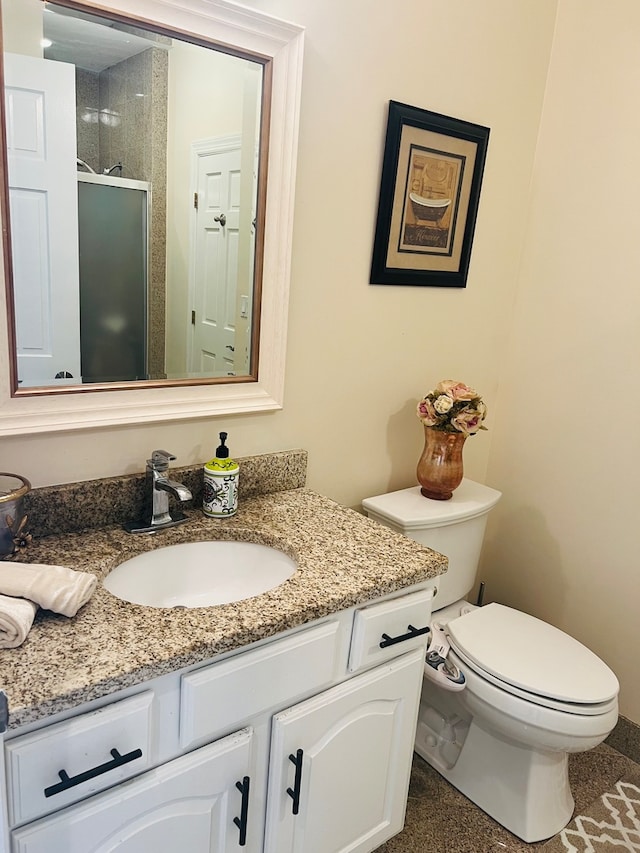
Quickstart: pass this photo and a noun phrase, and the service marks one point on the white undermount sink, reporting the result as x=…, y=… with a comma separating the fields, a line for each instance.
x=199, y=574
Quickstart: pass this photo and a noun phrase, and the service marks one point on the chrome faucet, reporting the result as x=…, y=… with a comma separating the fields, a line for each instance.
x=158, y=488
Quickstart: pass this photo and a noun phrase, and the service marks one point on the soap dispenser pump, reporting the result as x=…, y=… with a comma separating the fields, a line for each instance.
x=221, y=474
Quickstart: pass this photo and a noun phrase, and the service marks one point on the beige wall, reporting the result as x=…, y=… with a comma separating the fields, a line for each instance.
x=561, y=544
x=22, y=26
x=564, y=445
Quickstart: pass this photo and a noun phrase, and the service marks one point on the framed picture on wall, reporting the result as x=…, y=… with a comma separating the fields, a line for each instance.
x=429, y=193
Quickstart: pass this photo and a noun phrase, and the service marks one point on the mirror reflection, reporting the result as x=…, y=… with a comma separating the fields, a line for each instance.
x=133, y=164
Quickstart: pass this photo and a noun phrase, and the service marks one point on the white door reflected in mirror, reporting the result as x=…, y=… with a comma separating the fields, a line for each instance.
x=45, y=248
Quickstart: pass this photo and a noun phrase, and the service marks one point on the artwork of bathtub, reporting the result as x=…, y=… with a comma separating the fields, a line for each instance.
x=431, y=209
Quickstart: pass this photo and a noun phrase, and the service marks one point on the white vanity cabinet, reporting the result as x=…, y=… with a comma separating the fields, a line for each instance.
x=299, y=744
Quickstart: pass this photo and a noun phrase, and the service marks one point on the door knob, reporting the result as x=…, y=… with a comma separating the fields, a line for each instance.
x=222, y=219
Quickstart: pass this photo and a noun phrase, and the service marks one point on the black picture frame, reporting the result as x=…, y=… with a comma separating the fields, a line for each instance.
x=429, y=194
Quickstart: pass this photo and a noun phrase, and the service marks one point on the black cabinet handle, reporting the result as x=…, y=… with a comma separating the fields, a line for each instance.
x=241, y=822
x=67, y=781
x=294, y=792
x=411, y=633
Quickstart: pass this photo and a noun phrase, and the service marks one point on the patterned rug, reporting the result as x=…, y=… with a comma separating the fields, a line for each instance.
x=610, y=824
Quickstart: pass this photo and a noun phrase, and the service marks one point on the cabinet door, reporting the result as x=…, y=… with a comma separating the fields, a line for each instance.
x=340, y=763
x=188, y=804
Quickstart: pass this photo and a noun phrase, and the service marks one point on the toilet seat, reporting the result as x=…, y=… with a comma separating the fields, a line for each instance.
x=533, y=660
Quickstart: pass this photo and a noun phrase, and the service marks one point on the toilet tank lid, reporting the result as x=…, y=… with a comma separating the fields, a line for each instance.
x=408, y=508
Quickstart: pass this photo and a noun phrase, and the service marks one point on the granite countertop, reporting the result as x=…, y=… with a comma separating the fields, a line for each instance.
x=343, y=559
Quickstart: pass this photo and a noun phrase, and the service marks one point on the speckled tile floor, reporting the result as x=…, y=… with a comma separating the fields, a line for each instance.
x=442, y=820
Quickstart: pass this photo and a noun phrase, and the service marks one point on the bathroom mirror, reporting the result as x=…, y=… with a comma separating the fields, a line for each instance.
x=177, y=130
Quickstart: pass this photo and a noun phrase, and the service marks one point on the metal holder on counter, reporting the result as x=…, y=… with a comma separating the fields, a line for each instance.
x=13, y=522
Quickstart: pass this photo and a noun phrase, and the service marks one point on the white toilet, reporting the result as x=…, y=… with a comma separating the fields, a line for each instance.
x=532, y=693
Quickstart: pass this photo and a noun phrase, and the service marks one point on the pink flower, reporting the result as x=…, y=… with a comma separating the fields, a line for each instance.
x=456, y=390
x=469, y=420
x=427, y=413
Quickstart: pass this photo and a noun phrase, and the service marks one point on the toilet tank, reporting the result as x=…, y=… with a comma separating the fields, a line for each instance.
x=454, y=528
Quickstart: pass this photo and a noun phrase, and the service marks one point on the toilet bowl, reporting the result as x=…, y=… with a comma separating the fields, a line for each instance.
x=532, y=693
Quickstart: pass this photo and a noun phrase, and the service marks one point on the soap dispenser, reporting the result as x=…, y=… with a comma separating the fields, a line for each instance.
x=221, y=474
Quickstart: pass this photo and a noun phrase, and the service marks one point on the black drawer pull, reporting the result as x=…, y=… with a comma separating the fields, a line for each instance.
x=412, y=632
x=294, y=792
x=67, y=781
x=241, y=822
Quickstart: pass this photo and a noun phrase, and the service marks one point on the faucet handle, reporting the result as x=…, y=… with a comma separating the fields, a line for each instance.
x=160, y=460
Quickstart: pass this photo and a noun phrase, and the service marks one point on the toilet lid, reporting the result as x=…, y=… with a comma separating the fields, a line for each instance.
x=531, y=655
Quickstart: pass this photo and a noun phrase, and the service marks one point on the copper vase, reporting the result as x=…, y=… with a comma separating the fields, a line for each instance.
x=440, y=466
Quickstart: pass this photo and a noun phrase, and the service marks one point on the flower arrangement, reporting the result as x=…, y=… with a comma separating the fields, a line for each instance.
x=453, y=407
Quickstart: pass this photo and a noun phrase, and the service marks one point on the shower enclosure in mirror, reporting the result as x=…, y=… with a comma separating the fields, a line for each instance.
x=113, y=251
x=134, y=157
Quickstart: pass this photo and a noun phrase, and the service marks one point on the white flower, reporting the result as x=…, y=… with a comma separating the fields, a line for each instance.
x=443, y=404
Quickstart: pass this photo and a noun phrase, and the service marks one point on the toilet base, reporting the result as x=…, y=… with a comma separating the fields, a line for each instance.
x=524, y=789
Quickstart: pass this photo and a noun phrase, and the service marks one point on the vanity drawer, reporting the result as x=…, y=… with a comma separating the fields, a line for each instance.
x=221, y=697
x=394, y=624
x=65, y=762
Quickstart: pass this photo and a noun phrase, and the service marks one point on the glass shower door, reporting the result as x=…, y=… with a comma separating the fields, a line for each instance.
x=113, y=249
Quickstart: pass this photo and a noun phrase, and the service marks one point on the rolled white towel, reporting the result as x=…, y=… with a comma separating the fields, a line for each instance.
x=54, y=588
x=16, y=618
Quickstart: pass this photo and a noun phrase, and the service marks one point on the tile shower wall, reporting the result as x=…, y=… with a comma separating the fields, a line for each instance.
x=133, y=99
x=87, y=117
